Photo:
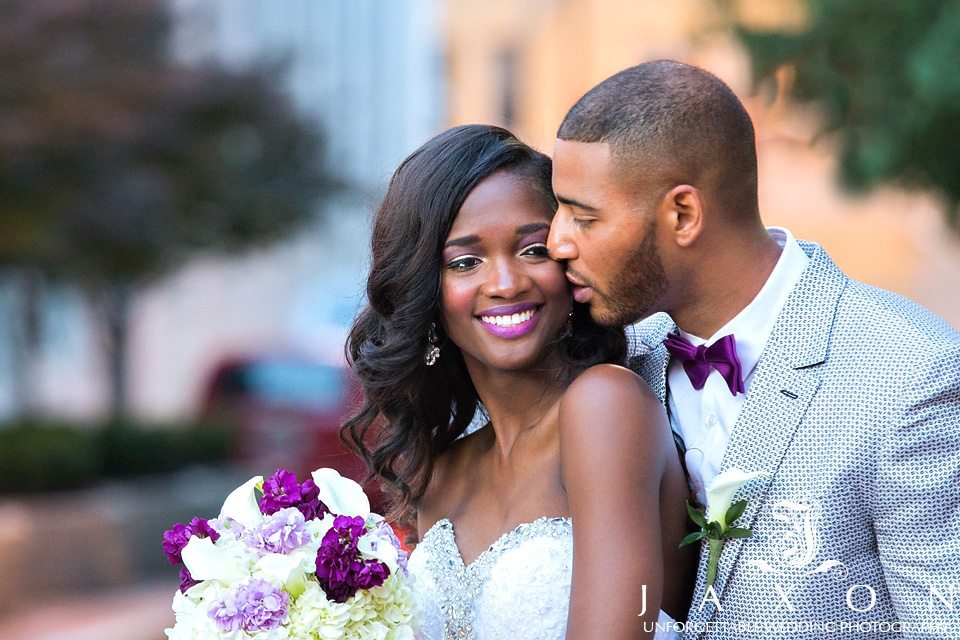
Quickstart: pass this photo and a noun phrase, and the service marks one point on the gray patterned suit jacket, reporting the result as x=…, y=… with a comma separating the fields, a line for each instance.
x=854, y=412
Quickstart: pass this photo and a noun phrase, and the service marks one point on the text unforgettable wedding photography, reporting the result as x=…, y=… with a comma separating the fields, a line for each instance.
x=502, y=320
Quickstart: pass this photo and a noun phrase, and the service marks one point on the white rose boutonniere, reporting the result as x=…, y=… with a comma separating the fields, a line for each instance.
x=715, y=524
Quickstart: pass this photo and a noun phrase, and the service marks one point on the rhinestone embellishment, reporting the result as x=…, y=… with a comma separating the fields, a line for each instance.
x=460, y=585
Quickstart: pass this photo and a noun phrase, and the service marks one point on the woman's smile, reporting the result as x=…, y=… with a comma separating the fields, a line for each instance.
x=511, y=321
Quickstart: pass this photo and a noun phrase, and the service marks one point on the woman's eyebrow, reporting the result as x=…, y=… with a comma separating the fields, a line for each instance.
x=462, y=242
x=533, y=227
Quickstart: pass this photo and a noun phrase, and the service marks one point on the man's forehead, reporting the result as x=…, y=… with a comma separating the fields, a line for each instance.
x=574, y=154
x=584, y=172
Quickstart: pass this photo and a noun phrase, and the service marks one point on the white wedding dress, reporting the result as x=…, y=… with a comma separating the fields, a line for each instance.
x=517, y=589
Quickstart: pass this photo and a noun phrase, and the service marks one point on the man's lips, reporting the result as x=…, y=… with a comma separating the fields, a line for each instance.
x=581, y=292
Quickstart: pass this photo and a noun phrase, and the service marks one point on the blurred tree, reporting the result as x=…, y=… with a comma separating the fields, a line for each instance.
x=885, y=74
x=118, y=163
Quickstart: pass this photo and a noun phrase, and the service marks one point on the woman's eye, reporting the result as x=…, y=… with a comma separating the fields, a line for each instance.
x=536, y=249
x=463, y=263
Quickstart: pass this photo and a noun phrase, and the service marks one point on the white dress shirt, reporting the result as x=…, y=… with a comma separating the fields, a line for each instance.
x=706, y=417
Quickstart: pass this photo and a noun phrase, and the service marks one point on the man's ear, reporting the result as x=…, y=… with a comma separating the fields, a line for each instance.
x=681, y=213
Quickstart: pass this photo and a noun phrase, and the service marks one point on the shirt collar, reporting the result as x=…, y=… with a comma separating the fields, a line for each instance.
x=754, y=324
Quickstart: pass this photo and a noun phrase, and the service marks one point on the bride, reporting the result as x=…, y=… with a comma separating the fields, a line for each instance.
x=560, y=516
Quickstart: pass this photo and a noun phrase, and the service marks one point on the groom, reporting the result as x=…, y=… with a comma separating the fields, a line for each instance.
x=846, y=396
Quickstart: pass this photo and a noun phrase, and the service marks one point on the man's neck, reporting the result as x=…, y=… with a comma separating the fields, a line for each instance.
x=724, y=287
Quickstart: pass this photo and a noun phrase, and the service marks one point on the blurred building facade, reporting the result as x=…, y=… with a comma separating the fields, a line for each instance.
x=370, y=74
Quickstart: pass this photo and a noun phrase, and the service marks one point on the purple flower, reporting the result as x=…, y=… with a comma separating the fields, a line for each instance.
x=186, y=580
x=340, y=570
x=280, y=491
x=282, y=532
x=310, y=505
x=175, y=539
x=372, y=573
x=256, y=605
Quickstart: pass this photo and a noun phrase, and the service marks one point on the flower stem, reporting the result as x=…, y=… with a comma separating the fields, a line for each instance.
x=712, y=560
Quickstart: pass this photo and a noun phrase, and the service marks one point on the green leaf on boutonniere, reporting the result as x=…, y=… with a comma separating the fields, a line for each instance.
x=697, y=516
x=735, y=511
x=738, y=532
x=714, y=531
x=693, y=537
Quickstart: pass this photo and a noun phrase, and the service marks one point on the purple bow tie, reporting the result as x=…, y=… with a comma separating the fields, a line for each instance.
x=698, y=360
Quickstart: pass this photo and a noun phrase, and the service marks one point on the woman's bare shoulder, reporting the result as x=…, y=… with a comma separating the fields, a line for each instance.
x=613, y=403
x=611, y=382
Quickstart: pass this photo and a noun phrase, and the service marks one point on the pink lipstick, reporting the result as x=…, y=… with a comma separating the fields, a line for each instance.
x=511, y=321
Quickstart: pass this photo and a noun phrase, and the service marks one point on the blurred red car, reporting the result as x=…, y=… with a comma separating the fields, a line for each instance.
x=287, y=412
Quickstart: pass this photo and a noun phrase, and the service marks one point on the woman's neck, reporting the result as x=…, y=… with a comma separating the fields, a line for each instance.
x=517, y=401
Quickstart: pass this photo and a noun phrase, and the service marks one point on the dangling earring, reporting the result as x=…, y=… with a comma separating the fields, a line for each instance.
x=433, y=351
x=568, y=328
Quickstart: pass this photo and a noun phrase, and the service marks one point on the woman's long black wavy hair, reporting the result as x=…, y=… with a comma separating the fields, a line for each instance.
x=411, y=412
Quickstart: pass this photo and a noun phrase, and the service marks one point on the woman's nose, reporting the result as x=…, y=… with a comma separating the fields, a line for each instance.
x=506, y=279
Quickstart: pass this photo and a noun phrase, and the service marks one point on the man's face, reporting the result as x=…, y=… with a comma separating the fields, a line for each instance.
x=606, y=237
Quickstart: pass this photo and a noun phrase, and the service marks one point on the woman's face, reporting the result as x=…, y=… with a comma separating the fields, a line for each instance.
x=503, y=301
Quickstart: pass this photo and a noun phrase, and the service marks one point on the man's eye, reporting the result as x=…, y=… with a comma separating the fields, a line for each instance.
x=463, y=263
x=535, y=249
x=583, y=222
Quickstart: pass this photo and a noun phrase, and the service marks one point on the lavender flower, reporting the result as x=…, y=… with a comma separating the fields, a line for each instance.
x=227, y=527
x=386, y=533
x=280, y=491
x=339, y=568
x=282, y=532
x=255, y=606
x=175, y=539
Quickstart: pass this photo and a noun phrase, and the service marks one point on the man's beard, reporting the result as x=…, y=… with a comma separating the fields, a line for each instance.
x=633, y=295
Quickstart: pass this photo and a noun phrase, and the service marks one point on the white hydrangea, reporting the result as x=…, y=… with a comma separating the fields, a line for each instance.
x=313, y=616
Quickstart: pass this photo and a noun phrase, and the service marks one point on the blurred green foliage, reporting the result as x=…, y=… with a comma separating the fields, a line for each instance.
x=884, y=73
x=118, y=162
x=37, y=456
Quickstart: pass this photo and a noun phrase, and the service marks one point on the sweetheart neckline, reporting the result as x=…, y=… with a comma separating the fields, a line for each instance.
x=499, y=542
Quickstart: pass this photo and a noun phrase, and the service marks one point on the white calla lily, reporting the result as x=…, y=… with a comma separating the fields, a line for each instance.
x=207, y=561
x=342, y=495
x=721, y=491
x=241, y=504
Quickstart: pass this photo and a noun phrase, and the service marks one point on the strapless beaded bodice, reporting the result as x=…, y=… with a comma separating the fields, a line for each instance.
x=517, y=589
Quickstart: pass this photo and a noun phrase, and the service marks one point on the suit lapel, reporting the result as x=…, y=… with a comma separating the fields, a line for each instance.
x=786, y=379
x=650, y=357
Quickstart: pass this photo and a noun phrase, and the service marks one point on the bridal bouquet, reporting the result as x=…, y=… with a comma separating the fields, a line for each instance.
x=301, y=561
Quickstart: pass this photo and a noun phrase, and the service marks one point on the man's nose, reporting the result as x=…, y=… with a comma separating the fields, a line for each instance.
x=559, y=244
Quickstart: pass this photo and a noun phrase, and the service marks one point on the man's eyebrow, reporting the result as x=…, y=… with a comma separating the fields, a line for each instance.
x=570, y=202
x=462, y=242
x=533, y=227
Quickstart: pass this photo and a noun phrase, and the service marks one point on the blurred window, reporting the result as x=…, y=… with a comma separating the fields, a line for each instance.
x=300, y=384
